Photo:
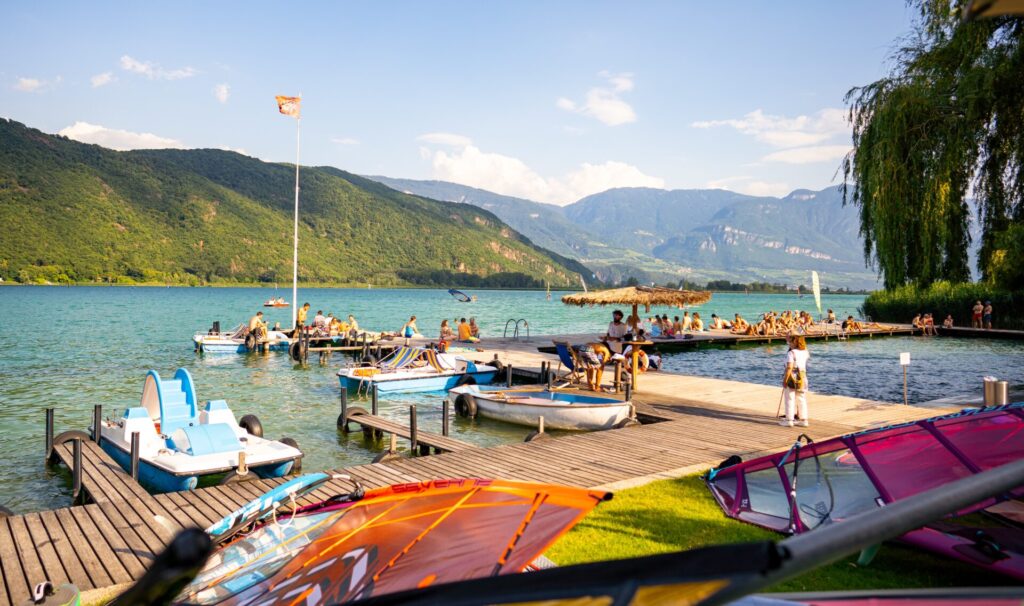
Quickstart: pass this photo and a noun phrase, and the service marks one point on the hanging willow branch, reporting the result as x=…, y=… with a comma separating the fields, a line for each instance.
x=949, y=118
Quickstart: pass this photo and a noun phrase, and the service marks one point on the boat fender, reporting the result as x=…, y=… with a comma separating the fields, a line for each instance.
x=465, y=405
x=535, y=435
x=297, y=466
x=250, y=342
x=234, y=477
x=465, y=380
x=252, y=425
x=298, y=350
x=386, y=456
x=627, y=423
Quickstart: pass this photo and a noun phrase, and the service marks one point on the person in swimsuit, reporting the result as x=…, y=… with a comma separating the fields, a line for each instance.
x=409, y=329
x=976, y=313
x=986, y=316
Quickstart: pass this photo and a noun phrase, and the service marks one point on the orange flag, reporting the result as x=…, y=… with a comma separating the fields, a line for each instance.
x=289, y=106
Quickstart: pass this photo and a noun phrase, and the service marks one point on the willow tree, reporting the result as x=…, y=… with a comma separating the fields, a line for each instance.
x=946, y=124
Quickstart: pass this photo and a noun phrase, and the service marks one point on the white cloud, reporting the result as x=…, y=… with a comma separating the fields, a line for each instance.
x=750, y=186
x=603, y=103
x=344, y=140
x=35, y=85
x=113, y=138
x=221, y=92
x=469, y=165
x=808, y=155
x=102, y=79
x=783, y=132
x=447, y=139
x=154, y=71
x=237, y=150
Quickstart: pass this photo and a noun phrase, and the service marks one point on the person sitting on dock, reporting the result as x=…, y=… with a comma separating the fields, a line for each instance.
x=851, y=325
x=409, y=329
x=687, y=321
x=739, y=325
x=616, y=330
x=917, y=322
x=465, y=333
x=353, y=326
x=257, y=326
x=948, y=322
x=677, y=325
x=698, y=324
x=474, y=328
x=447, y=334
x=928, y=323
x=831, y=317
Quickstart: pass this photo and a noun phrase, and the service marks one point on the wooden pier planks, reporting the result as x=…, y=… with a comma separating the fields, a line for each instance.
x=436, y=441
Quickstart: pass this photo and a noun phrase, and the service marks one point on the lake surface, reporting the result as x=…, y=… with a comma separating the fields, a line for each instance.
x=71, y=348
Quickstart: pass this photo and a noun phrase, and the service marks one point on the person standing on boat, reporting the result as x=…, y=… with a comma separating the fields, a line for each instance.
x=794, y=382
x=257, y=325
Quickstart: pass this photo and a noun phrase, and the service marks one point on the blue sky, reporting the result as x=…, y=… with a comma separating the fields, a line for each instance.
x=545, y=100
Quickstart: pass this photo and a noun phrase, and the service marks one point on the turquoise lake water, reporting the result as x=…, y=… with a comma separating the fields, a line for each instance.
x=71, y=348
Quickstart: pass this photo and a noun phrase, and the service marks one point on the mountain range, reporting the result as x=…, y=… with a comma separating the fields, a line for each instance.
x=667, y=235
x=82, y=213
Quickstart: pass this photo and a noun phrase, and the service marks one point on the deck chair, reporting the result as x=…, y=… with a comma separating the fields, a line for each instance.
x=567, y=357
x=431, y=357
x=402, y=357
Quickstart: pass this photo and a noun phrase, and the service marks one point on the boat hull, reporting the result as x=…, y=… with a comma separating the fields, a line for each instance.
x=156, y=479
x=413, y=384
x=572, y=413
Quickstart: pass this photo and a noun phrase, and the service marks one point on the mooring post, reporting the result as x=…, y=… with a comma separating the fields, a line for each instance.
x=549, y=377
x=49, y=433
x=618, y=376
x=373, y=399
x=378, y=351
x=97, y=423
x=76, y=470
x=444, y=417
x=543, y=369
x=413, y=438
x=629, y=391
x=508, y=376
x=135, y=456
x=342, y=418
x=540, y=424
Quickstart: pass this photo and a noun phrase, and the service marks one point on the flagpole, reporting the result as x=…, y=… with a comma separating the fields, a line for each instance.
x=295, y=251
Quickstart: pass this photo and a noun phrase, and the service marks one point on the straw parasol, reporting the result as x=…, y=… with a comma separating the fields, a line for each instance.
x=639, y=295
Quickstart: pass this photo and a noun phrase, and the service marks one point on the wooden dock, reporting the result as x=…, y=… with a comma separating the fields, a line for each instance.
x=701, y=422
x=419, y=440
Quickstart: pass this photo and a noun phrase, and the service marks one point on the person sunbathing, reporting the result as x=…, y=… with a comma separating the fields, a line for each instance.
x=851, y=325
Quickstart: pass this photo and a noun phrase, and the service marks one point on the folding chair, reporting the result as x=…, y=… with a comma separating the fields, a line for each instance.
x=567, y=357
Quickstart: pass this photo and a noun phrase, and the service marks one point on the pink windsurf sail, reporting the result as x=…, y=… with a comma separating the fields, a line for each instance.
x=815, y=484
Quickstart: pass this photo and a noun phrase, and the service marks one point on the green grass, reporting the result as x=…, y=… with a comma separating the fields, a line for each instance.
x=674, y=515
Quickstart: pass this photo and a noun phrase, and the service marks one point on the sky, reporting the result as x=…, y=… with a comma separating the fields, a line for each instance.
x=550, y=101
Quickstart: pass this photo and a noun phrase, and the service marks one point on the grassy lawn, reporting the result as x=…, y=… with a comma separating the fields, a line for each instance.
x=673, y=515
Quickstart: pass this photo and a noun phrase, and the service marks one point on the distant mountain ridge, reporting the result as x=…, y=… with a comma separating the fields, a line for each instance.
x=77, y=212
x=656, y=234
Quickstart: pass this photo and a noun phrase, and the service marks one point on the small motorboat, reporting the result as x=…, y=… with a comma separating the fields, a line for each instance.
x=237, y=341
x=415, y=369
x=179, y=443
x=278, y=302
x=560, y=409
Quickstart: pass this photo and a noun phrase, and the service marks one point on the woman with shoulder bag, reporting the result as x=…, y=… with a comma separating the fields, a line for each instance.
x=794, y=382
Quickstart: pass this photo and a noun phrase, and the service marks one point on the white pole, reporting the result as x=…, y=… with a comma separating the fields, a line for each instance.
x=295, y=252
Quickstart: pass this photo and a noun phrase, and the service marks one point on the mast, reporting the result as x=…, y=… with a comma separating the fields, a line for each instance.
x=295, y=244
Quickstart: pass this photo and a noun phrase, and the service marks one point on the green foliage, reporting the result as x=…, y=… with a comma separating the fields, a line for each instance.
x=82, y=213
x=673, y=515
x=940, y=298
x=949, y=116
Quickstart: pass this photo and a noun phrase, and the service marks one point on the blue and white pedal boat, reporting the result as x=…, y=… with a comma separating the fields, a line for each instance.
x=180, y=443
x=561, y=410
x=233, y=342
x=415, y=369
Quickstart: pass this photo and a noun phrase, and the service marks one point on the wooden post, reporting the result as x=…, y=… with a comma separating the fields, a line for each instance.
x=76, y=470
x=508, y=377
x=378, y=351
x=373, y=399
x=243, y=467
x=629, y=391
x=413, y=438
x=343, y=417
x=444, y=417
x=540, y=424
x=135, y=456
x=543, y=370
x=618, y=376
x=548, y=377
x=49, y=433
x=97, y=423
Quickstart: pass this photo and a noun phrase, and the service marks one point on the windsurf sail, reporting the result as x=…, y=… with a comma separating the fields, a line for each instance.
x=818, y=484
x=460, y=296
x=816, y=286
x=582, y=283
x=397, y=538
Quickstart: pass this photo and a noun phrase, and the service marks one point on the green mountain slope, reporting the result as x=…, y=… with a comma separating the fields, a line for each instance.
x=85, y=213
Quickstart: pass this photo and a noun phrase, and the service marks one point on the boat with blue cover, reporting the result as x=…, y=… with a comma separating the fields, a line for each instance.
x=561, y=410
x=416, y=369
x=181, y=441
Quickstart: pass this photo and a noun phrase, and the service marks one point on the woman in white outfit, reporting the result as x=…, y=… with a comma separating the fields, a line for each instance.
x=794, y=382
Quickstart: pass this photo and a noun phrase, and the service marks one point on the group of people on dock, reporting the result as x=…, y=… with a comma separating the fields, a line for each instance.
x=770, y=324
x=465, y=332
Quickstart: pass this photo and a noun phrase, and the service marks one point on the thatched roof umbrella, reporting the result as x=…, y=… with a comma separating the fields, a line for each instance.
x=639, y=295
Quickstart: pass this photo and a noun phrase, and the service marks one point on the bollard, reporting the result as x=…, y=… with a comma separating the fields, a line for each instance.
x=373, y=399
x=444, y=417
x=342, y=420
x=76, y=470
x=508, y=376
x=540, y=424
x=413, y=438
x=618, y=376
x=97, y=423
x=549, y=376
x=49, y=433
x=629, y=391
x=543, y=369
x=135, y=456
